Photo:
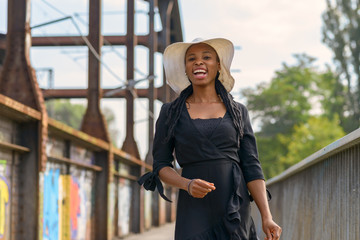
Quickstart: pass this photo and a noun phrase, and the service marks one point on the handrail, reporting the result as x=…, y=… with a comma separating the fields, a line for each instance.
x=343, y=143
x=14, y=147
x=79, y=164
x=127, y=176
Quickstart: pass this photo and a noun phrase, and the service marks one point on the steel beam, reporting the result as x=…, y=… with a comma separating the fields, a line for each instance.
x=151, y=94
x=82, y=93
x=165, y=12
x=17, y=77
x=94, y=123
x=115, y=40
x=129, y=144
x=18, y=81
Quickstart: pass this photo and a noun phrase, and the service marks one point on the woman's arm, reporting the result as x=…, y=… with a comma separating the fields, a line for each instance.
x=257, y=190
x=198, y=188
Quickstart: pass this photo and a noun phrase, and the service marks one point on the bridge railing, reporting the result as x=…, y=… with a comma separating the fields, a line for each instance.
x=319, y=198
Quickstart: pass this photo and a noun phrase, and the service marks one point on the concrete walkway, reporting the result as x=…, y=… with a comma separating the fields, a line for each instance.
x=165, y=232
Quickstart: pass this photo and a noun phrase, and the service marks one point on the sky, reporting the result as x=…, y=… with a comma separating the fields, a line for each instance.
x=266, y=34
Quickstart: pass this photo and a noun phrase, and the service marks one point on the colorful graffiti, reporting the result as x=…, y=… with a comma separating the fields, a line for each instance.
x=4, y=200
x=147, y=209
x=66, y=204
x=74, y=206
x=80, y=204
x=51, y=205
x=124, y=206
x=111, y=207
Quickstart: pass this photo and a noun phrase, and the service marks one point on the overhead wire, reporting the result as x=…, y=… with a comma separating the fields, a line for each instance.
x=97, y=56
x=110, y=45
x=130, y=88
x=52, y=39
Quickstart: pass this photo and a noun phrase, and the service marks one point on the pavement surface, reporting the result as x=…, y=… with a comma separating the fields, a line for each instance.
x=164, y=232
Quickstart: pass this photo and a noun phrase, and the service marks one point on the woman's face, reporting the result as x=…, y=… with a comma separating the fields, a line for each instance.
x=201, y=64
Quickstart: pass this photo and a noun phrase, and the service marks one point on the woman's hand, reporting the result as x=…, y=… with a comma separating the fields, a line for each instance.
x=271, y=230
x=198, y=188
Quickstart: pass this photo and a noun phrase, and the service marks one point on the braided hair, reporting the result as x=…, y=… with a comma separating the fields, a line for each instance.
x=175, y=108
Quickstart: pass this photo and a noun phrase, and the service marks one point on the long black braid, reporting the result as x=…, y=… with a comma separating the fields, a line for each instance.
x=232, y=107
x=175, y=108
x=174, y=111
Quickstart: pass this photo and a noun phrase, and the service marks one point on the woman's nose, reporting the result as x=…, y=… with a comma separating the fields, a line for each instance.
x=198, y=62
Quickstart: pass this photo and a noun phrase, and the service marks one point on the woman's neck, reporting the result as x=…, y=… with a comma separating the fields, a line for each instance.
x=204, y=95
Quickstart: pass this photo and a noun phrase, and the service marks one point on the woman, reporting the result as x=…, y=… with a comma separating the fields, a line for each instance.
x=214, y=144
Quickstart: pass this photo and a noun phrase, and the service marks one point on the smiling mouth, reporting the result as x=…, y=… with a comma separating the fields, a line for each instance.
x=199, y=71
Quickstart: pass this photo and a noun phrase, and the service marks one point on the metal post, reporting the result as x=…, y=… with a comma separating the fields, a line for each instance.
x=17, y=77
x=93, y=122
x=18, y=81
x=27, y=216
x=151, y=96
x=129, y=144
x=152, y=50
x=166, y=20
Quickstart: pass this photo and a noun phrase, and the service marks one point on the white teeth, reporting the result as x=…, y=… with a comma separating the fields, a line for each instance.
x=199, y=71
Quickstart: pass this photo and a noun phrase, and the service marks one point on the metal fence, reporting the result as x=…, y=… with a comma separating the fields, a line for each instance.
x=319, y=198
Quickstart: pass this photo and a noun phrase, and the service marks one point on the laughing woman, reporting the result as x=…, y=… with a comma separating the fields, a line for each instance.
x=214, y=144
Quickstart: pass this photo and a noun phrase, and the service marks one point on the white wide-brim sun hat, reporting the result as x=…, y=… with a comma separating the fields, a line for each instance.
x=174, y=62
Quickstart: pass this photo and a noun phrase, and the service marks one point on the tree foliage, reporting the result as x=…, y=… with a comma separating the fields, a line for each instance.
x=64, y=111
x=72, y=114
x=341, y=32
x=308, y=137
x=291, y=105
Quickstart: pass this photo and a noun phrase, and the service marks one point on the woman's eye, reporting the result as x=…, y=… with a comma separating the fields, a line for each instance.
x=207, y=57
x=191, y=59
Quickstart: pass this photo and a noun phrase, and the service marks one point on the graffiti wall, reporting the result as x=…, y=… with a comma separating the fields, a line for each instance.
x=53, y=199
x=147, y=209
x=80, y=154
x=55, y=147
x=111, y=210
x=80, y=203
x=5, y=194
x=67, y=203
x=124, y=203
x=8, y=134
x=66, y=194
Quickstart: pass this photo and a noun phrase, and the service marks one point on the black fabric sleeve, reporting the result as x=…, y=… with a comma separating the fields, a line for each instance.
x=249, y=160
x=162, y=155
x=162, y=151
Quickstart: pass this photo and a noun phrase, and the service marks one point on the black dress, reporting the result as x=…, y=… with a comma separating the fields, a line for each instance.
x=209, y=153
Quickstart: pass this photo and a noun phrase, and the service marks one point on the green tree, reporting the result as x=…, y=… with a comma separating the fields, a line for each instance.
x=309, y=137
x=341, y=32
x=285, y=101
x=65, y=111
x=295, y=95
x=72, y=114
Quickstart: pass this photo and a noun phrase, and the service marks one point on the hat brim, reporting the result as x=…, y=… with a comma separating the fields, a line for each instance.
x=174, y=63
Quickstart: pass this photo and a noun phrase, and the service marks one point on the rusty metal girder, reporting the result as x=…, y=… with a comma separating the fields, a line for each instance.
x=82, y=93
x=79, y=41
x=151, y=93
x=141, y=40
x=93, y=122
x=129, y=144
x=17, y=78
